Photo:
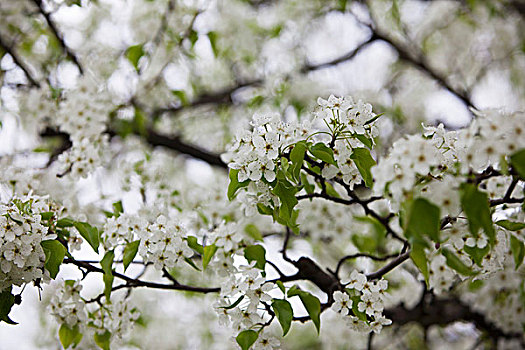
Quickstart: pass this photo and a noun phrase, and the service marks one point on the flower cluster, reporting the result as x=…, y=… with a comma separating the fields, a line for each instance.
x=21, y=232
x=362, y=303
x=67, y=306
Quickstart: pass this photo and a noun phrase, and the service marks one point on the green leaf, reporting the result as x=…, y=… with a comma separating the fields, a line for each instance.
x=365, y=140
x=517, y=160
x=237, y=302
x=284, y=312
x=256, y=253
x=130, y=251
x=106, y=264
x=308, y=187
x=55, y=252
x=192, y=243
x=330, y=190
x=69, y=336
x=191, y=263
x=476, y=253
x=103, y=340
x=7, y=300
x=418, y=256
x=454, y=262
x=47, y=215
x=511, y=225
x=297, y=158
x=208, y=253
x=423, y=220
x=245, y=339
x=311, y=304
x=322, y=152
x=118, y=208
x=355, y=309
x=234, y=184
x=65, y=222
x=89, y=233
x=281, y=286
x=476, y=206
x=253, y=231
x=212, y=36
x=370, y=121
x=364, y=161
x=518, y=250
x=193, y=36
x=134, y=53
x=286, y=193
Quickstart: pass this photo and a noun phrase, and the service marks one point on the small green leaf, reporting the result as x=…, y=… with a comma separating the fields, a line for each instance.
x=476, y=253
x=455, y=263
x=106, y=264
x=517, y=160
x=418, y=256
x=118, y=208
x=364, y=162
x=284, y=312
x=256, y=253
x=89, y=233
x=311, y=304
x=212, y=36
x=308, y=187
x=280, y=284
x=365, y=140
x=476, y=206
x=286, y=193
x=208, y=251
x=191, y=263
x=133, y=54
x=192, y=243
x=181, y=95
x=55, y=252
x=355, y=308
x=65, y=222
x=245, y=339
x=297, y=158
x=69, y=336
x=370, y=121
x=237, y=302
x=47, y=215
x=511, y=225
x=234, y=184
x=7, y=300
x=423, y=220
x=518, y=250
x=130, y=251
x=253, y=231
x=322, y=152
x=103, y=340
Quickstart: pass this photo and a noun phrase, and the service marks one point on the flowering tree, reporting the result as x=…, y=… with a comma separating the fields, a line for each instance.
x=370, y=231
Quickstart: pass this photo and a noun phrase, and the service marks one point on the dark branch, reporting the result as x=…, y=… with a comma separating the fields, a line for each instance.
x=58, y=35
x=18, y=61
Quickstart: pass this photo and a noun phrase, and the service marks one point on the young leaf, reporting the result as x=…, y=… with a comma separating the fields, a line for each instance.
x=364, y=161
x=355, y=308
x=192, y=242
x=418, y=256
x=234, y=184
x=208, y=253
x=55, y=252
x=286, y=193
x=237, y=302
x=308, y=187
x=280, y=284
x=103, y=340
x=253, y=231
x=322, y=152
x=65, y=222
x=284, y=312
x=256, y=253
x=133, y=54
x=118, y=208
x=476, y=253
x=511, y=225
x=245, y=339
x=7, y=300
x=106, y=264
x=365, y=140
x=518, y=250
x=517, y=160
x=297, y=157
x=476, y=205
x=423, y=220
x=130, y=251
x=69, y=336
x=454, y=262
x=89, y=233
x=191, y=263
x=311, y=304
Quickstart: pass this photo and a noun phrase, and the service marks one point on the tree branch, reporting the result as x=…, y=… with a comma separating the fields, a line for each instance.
x=18, y=61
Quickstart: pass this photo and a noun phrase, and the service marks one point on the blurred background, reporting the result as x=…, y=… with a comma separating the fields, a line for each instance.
x=182, y=73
